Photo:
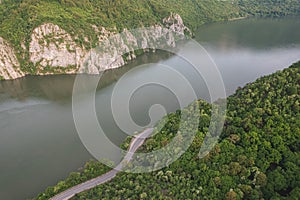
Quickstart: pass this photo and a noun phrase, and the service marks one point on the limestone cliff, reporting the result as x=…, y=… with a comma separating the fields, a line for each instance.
x=51, y=46
x=54, y=51
x=9, y=64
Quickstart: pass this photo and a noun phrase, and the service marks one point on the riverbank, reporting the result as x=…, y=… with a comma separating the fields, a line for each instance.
x=135, y=143
x=56, y=37
x=238, y=18
x=243, y=158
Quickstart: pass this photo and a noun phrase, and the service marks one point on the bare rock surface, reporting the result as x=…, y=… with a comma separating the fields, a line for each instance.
x=9, y=64
x=52, y=50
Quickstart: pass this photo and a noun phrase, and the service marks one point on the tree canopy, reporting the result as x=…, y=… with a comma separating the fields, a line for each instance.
x=257, y=155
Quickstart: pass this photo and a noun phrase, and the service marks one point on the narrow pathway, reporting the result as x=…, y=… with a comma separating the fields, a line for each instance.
x=136, y=142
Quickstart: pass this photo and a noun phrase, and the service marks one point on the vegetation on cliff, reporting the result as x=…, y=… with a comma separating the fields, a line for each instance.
x=79, y=18
x=257, y=156
x=19, y=18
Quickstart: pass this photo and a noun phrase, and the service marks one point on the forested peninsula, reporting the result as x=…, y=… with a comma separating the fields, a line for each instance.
x=258, y=155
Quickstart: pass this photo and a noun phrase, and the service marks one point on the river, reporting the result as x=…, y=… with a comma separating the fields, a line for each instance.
x=39, y=144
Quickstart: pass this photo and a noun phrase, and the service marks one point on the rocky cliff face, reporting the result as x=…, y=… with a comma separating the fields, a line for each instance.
x=9, y=64
x=52, y=46
x=114, y=51
x=52, y=50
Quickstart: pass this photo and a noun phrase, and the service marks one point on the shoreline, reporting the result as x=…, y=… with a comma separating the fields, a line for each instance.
x=137, y=141
x=237, y=18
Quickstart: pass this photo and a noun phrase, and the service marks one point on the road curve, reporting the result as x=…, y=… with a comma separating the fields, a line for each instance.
x=136, y=142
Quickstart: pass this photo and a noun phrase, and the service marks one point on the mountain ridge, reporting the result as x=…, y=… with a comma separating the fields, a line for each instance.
x=78, y=20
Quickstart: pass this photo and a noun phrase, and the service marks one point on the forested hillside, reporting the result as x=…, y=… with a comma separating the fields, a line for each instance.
x=41, y=37
x=258, y=155
x=19, y=17
x=270, y=8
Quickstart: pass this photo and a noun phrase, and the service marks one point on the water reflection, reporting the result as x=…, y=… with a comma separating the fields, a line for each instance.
x=255, y=34
x=59, y=87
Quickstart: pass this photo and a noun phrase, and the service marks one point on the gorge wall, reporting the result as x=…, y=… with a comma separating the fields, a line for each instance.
x=9, y=64
x=52, y=50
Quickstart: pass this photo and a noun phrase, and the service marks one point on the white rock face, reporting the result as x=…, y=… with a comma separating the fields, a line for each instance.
x=175, y=23
x=111, y=47
x=53, y=50
x=9, y=65
x=52, y=46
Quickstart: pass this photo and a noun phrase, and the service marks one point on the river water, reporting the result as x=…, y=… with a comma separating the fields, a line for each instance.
x=39, y=144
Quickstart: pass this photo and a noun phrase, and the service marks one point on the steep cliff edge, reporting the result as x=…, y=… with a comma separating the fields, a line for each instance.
x=53, y=47
x=54, y=37
x=115, y=50
x=9, y=64
x=52, y=50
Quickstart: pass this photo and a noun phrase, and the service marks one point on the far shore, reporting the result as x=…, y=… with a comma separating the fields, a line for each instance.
x=237, y=18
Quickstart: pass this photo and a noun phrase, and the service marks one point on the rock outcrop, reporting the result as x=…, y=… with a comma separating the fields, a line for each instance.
x=9, y=64
x=52, y=50
x=52, y=46
x=114, y=50
x=175, y=23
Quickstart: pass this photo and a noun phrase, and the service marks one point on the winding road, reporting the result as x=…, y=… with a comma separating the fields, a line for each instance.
x=136, y=142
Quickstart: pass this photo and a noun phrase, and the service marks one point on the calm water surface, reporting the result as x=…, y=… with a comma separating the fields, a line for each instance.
x=39, y=144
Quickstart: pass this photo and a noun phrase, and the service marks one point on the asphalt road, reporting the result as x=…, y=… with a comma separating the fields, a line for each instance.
x=136, y=142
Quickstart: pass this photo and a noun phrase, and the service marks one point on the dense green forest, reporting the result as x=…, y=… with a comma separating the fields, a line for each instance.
x=19, y=17
x=258, y=155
